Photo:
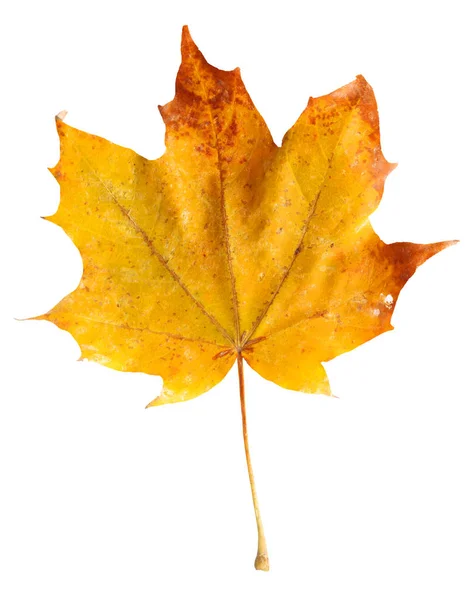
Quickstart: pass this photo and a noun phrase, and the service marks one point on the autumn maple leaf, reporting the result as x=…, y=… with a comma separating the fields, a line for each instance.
x=229, y=247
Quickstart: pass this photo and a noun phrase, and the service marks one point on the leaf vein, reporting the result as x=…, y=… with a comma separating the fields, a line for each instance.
x=148, y=330
x=154, y=251
x=305, y=227
x=226, y=234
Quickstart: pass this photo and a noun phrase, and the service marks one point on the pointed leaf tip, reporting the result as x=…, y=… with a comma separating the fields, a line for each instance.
x=414, y=255
x=187, y=43
x=154, y=402
x=430, y=250
x=61, y=115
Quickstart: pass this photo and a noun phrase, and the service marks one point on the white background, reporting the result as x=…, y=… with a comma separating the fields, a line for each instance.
x=368, y=495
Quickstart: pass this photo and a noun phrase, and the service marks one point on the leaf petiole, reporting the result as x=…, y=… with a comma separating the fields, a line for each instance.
x=262, y=560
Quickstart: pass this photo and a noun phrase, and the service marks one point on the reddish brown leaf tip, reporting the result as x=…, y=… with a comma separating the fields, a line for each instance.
x=362, y=85
x=409, y=256
x=426, y=251
x=354, y=92
x=188, y=46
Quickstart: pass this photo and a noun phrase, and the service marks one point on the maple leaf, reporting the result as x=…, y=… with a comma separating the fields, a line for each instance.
x=229, y=247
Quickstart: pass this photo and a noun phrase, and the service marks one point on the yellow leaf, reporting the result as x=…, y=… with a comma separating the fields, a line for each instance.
x=228, y=247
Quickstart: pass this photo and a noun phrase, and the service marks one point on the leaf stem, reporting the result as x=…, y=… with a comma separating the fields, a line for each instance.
x=261, y=561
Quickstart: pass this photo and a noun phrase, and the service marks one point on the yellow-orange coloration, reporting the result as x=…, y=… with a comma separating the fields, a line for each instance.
x=228, y=246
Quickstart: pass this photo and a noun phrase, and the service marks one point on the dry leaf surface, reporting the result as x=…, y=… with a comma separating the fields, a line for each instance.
x=228, y=242
x=229, y=247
